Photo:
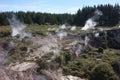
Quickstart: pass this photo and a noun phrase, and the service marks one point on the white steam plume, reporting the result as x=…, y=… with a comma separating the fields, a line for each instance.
x=62, y=26
x=73, y=28
x=61, y=35
x=86, y=41
x=119, y=26
x=80, y=49
x=18, y=28
x=97, y=34
x=91, y=22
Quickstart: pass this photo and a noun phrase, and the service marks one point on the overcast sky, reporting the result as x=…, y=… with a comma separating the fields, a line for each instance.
x=50, y=6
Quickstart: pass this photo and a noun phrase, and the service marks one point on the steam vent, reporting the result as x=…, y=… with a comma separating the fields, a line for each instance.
x=60, y=45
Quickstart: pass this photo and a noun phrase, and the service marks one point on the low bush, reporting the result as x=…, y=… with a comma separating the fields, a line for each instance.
x=103, y=71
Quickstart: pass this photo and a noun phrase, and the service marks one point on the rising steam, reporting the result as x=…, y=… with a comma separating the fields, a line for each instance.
x=86, y=41
x=91, y=22
x=73, y=28
x=18, y=28
x=62, y=26
x=97, y=34
x=61, y=35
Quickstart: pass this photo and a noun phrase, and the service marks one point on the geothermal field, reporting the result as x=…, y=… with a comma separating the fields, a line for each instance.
x=59, y=52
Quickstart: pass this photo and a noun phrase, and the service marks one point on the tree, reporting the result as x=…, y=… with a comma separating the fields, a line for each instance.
x=110, y=17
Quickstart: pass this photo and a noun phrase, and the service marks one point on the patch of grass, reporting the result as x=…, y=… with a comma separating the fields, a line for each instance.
x=39, y=29
x=5, y=31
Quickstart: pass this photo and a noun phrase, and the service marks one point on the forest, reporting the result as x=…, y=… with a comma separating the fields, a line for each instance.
x=110, y=17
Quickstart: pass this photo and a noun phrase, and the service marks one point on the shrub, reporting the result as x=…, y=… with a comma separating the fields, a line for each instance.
x=85, y=56
x=116, y=67
x=23, y=48
x=48, y=56
x=100, y=50
x=43, y=64
x=103, y=71
x=64, y=58
x=78, y=67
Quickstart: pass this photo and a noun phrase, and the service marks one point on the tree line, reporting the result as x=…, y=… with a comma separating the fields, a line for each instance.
x=110, y=17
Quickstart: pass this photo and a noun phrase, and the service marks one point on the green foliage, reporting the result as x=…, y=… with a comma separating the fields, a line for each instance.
x=100, y=50
x=110, y=16
x=37, y=18
x=64, y=58
x=39, y=29
x=47, y=56
x=78, y=67
x=87, y=64
x=43, y=65
x=116, y=67
x=4, y=31
x=103, y=71
x=23, y=48
x=17, y=53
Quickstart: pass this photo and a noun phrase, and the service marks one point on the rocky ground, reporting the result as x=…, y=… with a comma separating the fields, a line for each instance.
x=50, y=57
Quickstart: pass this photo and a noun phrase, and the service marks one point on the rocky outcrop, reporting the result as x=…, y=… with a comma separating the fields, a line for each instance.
x=23, y=71
x=23, y=66
x=109, y=38
x=105, y=39
x=113, y=38
x=69, y=77
x=6, y=74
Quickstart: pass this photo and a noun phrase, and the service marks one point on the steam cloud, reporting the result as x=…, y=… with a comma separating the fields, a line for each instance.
x=61, y=35
x=18, y=28
x=62, y=26
x=97, y=34
x=73, y=28
x=91, y=22
x=86, y=41
x=80, y=49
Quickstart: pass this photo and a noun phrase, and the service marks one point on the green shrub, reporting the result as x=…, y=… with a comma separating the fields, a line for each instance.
x=43, y=65
x=116, y=67
x=100, y=50
x=85, y=56
x=78, y=67
x=64, y=58
x=23, y=48
x=103, y=71
x=48, y=56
